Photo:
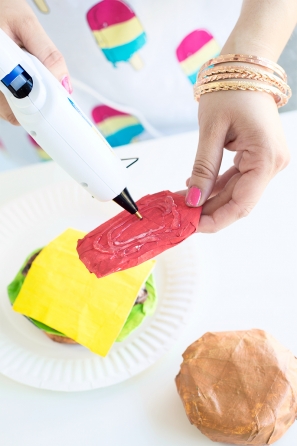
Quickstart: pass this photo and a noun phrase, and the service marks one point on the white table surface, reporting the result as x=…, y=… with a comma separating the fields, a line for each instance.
x=247, y=276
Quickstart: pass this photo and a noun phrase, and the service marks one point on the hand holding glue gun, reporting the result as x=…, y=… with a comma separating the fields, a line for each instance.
x=45, y=110
x=20, y=23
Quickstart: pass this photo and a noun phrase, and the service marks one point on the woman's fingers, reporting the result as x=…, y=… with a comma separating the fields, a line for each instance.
x=18, y=20
x=33, y=37
x=255, y=133
x=236, y=200
x=222, y=197
x=220, y=181
x=20, y=23
x=237, y=159
x=223, y=179
x=5, y=111
x=212, y=136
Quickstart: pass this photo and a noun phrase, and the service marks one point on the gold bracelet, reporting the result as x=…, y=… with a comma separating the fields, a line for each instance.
x=263, y=62
x=280, y=98
x=242, y=72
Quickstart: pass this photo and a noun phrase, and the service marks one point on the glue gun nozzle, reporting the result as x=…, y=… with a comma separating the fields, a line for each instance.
x=138, y=215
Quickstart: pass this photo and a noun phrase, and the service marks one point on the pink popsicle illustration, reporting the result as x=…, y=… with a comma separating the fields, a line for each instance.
x=41, y=153
x=3, y=149
x=195, y=49
x=117, y=127
x=42, y=6
x=118, y=32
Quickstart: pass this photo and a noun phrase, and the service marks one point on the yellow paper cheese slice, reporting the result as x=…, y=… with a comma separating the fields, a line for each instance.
x=60, y=292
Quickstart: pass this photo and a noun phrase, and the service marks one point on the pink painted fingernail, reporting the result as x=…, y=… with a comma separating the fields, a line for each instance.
x=66, y=84
x=193, y=196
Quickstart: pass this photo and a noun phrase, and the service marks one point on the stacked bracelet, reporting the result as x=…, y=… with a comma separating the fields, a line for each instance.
x=213, y=78
x=254, y=60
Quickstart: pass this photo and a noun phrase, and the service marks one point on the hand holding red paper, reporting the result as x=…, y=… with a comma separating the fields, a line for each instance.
x=124, y=241
x=246, y=123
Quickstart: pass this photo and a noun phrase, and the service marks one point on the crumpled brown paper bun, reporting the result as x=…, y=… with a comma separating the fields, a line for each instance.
x=239, y=387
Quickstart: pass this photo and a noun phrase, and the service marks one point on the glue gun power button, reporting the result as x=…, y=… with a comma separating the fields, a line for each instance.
x=19, y=82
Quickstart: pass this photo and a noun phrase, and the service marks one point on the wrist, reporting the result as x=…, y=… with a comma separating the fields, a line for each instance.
x=263, y=28
x=239, y=43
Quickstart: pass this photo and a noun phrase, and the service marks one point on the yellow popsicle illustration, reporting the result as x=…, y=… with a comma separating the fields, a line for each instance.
x=118, y=32
x=42, y=6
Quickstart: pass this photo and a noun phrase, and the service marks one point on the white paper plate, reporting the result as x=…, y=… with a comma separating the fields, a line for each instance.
x=26, y=354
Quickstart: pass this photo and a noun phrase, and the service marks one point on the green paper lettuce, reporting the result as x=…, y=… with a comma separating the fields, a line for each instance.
x=135, y=318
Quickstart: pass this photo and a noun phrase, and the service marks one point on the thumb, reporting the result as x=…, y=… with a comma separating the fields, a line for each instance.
x=33, y=37
x=207, y=163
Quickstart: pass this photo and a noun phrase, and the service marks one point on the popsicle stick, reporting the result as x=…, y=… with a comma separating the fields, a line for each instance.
x=136, y=62
x=42, y=6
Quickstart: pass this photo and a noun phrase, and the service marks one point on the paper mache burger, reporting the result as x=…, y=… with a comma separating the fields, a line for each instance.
x=57, y=293
x=239, y=387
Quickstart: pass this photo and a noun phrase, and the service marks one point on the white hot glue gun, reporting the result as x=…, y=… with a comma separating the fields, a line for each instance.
x=46, y=111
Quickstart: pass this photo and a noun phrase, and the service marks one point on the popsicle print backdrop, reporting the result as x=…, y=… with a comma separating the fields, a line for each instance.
x=4, y=154
x=42, y=6
x=118, y=32
x=2, y=147
x=117, y=127
x=41, y=153
x=195, y=49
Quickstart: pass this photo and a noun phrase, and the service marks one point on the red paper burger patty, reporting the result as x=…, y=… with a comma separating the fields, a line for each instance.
x=124, y=241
